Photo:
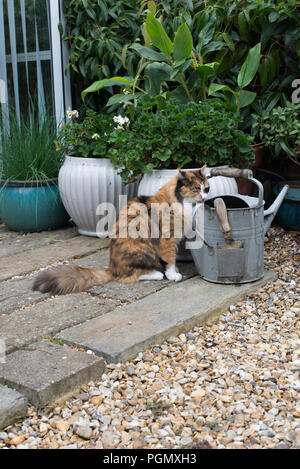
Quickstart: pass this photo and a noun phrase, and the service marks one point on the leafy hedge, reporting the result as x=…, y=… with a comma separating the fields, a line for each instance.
x=169, y=138
x=96, y=32
x=223, y=31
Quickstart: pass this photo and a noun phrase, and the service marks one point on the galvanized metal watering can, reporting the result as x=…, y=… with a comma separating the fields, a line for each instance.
x=236, y=256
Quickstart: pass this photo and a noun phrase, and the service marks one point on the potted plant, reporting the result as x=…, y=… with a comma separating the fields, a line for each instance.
x=279, y=130
x=87, y=177
x=29, y=166
x=180, y=136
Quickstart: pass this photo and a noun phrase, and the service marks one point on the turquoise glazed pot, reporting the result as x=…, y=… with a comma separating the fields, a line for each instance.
x=288, y=216
x=30, y=207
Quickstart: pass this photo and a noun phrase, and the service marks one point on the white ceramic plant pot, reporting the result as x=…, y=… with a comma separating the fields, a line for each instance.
x=84, y=183
x=153, y=182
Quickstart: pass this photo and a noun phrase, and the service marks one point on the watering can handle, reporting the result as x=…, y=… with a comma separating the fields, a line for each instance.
x=231, y=173
x=240, y=173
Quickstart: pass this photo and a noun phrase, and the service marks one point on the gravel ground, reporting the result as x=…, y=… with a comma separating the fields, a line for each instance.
x=233, y=383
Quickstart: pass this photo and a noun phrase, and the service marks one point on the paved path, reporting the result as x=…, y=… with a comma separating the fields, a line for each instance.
x=45, y=338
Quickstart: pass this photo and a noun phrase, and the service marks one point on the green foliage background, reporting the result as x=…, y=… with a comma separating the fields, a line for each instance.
x=223, y=30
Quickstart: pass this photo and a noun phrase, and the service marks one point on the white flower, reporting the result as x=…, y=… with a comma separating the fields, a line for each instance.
x=95, y=136
x=121, y=121
x=71, y=113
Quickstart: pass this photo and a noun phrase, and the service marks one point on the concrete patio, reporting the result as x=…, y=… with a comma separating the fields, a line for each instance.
x=46, y=338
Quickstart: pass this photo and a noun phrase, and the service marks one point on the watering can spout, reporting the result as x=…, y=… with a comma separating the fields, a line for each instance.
x=270, y=213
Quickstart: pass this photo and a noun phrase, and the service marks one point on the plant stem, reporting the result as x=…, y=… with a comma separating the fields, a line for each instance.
x=185, y=87
x=203, y=90
x=292, y=159
x=143, y=65
x=182, y=81
x=238, y=106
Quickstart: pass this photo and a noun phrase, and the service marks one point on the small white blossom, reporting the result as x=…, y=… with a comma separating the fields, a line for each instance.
x=121, y=121
x=95, y=136
x=71, y=113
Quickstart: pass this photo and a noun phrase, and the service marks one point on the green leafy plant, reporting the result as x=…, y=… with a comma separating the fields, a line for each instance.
x=157, y=67
x=180, y=135
x=88, y=137
x=54, y=340
x=223, y=31
x=246, y=74
x=279, y=129
x=27, y=150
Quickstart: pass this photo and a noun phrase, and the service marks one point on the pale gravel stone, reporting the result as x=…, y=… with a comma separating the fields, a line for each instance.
x=244, y=367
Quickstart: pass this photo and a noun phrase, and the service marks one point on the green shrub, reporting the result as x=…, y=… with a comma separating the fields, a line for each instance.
x=87, y=137
x=180, y=136
x=279, y=129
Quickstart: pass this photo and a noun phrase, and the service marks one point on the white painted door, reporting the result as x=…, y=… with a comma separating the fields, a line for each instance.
x=31, y=57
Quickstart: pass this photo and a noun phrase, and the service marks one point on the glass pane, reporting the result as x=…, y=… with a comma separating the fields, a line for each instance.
x=38, y=52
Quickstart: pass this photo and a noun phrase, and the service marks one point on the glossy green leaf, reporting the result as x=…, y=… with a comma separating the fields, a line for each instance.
x=215, y=87
x=246, y=98
x=273, y=16
x=122, y=98
x=107, y=82
x=249, y=67
x=207, y=69
x=158, y=35
x=207, y=32
x=146, y=36
x=156, y=73
x=229, y=41
x=148, y=53
x=286, y=148
x=183, y=43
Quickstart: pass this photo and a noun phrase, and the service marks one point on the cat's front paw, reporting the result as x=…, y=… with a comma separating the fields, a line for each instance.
x=172, y=274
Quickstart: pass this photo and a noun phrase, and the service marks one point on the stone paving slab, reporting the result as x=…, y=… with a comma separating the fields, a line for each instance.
x=12, y=242
x=122, y=333
x=34, y=259
x=13, y=406
x=47, y=318
x=136, y=291
x=45, y=372
x=17, y=293
x=128, y=292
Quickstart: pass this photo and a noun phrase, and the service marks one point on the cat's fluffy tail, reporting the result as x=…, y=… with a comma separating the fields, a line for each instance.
x=70, y=279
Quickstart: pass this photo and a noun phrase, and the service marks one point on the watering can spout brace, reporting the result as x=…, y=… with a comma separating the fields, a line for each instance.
x=270, y=213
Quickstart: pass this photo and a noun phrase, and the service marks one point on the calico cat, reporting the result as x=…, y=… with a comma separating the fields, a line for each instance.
x=137, y=256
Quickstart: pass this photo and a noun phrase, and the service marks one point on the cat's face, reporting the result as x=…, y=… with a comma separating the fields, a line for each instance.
x=192, y=186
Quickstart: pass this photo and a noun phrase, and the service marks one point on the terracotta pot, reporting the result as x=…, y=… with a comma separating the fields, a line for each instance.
x=245, y=186
x=259, y=154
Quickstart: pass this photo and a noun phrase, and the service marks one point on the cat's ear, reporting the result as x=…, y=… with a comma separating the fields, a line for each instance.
x=181, y=175
x=202, y=169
